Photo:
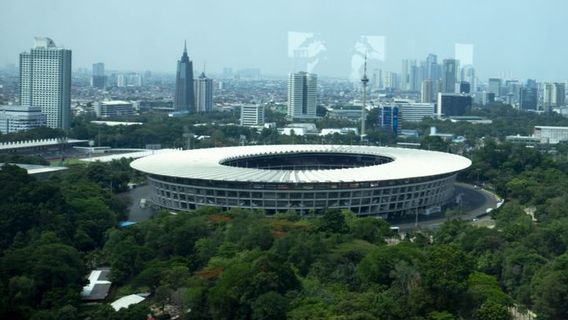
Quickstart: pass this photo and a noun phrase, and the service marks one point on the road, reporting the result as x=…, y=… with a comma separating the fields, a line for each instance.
x=135, y=213
x=475, y=202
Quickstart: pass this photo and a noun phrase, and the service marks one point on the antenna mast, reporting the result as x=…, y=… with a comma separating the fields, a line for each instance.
x=364, y=82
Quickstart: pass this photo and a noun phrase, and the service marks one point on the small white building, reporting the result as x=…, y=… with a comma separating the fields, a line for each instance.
x=341, y=131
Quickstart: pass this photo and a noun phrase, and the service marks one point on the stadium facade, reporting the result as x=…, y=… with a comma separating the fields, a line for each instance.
x=367, y=180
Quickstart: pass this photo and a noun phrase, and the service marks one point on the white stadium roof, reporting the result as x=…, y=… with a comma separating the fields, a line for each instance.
x=206, y=164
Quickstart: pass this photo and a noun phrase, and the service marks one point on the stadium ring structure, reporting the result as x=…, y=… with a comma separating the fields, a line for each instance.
x=368, y=180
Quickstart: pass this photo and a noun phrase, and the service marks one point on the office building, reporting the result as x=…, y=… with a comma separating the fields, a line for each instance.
x=388, y=119
x=432, y=68
x=409, y=75
x=416, y=112
x=203, y=88
x=451, y=105
x=427, y=91
x=113, y=109
x=528, y=98
x=465, y=87
x=252, y=115
x=416, y=77
x=449, y=75
x=20, y=118
x=553, y=95
x=391, y=80
x=45, y=81
x=184, y=98
x=468, y=74
x=495, y=86
x=302, y=95
x=98, y=78
x=128, y=80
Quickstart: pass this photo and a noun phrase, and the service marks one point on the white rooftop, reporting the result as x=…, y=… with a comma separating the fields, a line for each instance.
x=37, y=143
x=206, y=164
x=133, y=155
x=126, y=301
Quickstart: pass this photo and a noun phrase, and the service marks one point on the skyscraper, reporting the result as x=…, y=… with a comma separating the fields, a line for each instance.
x=495, y=86
x=449, y=75
x=528, y=98
x=553, y=96
x=203, y=94
x=45, y=81
x=468, y=74
x=432, y=67
x=302, y=95
x=427, y=91
x=184, y=99
x=98, y=78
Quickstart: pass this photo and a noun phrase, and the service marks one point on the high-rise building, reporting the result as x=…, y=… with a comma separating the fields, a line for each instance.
x=128, y=80
x=553, y=95
x=388, y=119
x=416, y=77
x=495, y=86
x=432, y=67
x=20, y=118
x=98, y=78
x=203, y=89
x=559, y=94
x=302, y=95
x=391, y=80
x=184, y=98
x=407, y=79
x=252, y=115
x=449, y=75
x=427, y=91
x=45, y=81
x=468, y=74
x=465, y=87
x=528, y=98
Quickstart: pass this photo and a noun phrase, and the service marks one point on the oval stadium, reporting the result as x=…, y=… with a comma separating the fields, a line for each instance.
x=368, y=180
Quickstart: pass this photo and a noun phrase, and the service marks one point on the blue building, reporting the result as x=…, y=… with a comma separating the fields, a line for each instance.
x=388, y=119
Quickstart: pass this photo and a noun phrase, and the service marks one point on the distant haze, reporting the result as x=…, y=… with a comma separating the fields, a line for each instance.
x=517, y=38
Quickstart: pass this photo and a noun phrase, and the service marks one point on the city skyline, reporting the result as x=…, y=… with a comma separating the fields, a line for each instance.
x=261, y=39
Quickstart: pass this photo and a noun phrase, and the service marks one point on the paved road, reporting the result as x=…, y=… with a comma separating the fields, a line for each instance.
x=475, y=202
x=135, y=213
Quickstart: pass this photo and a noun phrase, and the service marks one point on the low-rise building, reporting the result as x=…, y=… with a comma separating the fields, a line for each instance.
x=252, y=115
x=551, y=135
x=416, y=112
x=20, y=118
x=114, y=108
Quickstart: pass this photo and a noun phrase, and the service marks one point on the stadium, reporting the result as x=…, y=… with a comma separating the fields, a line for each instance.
x=368, y=180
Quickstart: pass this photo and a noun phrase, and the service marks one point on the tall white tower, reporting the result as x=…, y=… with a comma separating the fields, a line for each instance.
x=364, y=82
x=302, y=95
x=203, y=88
x=45, y=81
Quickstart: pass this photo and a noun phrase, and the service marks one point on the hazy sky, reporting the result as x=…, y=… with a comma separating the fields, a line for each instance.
x=522, y=38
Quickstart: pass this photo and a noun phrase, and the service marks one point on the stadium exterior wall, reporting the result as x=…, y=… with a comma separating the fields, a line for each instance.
x=386, y=198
